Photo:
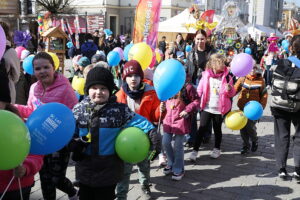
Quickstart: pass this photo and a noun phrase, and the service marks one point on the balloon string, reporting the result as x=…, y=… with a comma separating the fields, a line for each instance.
x=10, y=182
x=21, y=194
x=159, y=122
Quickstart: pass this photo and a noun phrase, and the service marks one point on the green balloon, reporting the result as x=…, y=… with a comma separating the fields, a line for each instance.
x=14, y=140
x=229, y=40
x=132, y=145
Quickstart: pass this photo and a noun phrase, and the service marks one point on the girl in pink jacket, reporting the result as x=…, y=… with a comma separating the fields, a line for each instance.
x=215, y=90
x=176, y=124
x=51, y=87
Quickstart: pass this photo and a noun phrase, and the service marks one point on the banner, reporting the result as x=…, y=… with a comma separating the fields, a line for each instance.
x=146, y=22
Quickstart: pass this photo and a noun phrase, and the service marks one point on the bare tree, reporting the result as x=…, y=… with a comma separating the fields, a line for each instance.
x=56, y=6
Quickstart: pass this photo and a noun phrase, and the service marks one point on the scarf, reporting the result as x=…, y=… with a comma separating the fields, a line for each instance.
x=134, y=94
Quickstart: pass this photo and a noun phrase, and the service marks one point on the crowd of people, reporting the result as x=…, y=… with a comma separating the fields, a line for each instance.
x=113, y=98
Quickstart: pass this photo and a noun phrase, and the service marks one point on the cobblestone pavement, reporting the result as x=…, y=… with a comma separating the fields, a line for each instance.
x=231, y=176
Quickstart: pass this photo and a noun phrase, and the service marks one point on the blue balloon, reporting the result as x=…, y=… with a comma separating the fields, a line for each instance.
x=188, y=48
x=113, y=58
x=28, y=65
x=253, y=110
x=248, y=51
x=168, y=79
x=51, y=127
x=284, y=42
x=70, y=44
x=126, y=51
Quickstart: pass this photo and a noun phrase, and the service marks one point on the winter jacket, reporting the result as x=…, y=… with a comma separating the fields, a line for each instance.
x=172, y=122
x=60, y=91
x=252, y=88
x=224, y=95
x=100, y=166
x=149, y=106
x=12, y=65
x=32, y=163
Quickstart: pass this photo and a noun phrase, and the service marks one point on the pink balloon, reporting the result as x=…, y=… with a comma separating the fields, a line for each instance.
x=153, y=60
x=120, y=52
x=241, y=64
x=2, y=42
x=19, y=50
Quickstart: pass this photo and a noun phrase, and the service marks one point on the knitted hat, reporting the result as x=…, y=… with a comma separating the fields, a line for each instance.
x=4, y=89
x=84, y=61
x=102, y=76
x=97, y=57
x=132, y=67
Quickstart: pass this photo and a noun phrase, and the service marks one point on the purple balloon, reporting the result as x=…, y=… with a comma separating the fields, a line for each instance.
x=2, y=42
x=120, y=52
x=241, y=64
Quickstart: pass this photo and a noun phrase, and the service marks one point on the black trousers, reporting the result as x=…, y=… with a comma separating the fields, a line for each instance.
x=249, y=131
x=205, y=120
x=15, y=195
x=282, y=130
x=96, y=193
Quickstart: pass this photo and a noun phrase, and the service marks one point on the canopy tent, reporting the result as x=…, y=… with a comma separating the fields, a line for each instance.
x=257, y=31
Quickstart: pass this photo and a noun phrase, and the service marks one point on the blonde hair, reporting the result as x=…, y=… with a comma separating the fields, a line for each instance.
x=87, y=69
x=213, y=58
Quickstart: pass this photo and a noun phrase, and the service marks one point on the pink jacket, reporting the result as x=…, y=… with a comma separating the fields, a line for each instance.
x=60, y=91
x=204, y=89
x=32, y=163
x=172, y=123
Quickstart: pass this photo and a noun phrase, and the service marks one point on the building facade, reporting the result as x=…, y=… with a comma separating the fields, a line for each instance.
x=290, y=11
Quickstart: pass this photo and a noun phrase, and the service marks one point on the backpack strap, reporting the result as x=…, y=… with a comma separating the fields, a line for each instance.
x=294, y=60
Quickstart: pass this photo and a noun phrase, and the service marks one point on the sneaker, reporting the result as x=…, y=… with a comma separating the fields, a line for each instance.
x=282, y=173
x=146, y=192
x=162, y=160
x=268, y=87
x=75, y=197
x=254, y=146
x=167, y=170
x=215, y=153
x=193, y=156
x=177, y=177
x=296, y=176
x=244, y=150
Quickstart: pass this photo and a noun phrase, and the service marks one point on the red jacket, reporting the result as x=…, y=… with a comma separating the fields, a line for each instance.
x=149, y=107
x=33, y=164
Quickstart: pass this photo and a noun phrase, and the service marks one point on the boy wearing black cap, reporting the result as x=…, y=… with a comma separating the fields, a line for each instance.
x=100, y=116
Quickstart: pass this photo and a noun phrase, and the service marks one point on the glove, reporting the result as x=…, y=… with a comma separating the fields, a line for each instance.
x=78, y=146
x=155, y=140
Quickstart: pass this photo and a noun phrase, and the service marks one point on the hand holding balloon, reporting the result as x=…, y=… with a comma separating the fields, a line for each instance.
x=19, y=171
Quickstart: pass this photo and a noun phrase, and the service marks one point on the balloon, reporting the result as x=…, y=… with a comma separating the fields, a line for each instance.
x=142, y=53
x=241, y=64
x=19, y=50
x=158, y=55
x=55, y=59
x=229, y=40
x=132, y=145
x=70, y=44
x=78, y=84
x=284, y=42
x=169, y=78
x=51, y=127
x=15, y=140
x=126, y=51
x=253, y=110
x=188, y=48
x=120, y=52
x=28, y=65
x=2, y=42
x=113, y=58
x=153, y=62
x=236, y=120
x=248, y=51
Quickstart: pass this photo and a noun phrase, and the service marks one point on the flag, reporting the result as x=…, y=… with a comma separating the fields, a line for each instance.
x=208, y=16
x=146, y=22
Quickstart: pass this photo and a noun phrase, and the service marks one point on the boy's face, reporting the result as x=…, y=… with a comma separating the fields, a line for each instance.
x=253, y=71
x=99, y=94
x=133, y=81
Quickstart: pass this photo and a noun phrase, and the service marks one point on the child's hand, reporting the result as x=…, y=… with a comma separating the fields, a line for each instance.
x=184, y=114
x=19, y=171
x=228, y=87
x=162, y=107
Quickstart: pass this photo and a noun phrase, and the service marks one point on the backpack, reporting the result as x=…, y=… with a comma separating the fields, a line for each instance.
x=286, y=87
x=4, y=89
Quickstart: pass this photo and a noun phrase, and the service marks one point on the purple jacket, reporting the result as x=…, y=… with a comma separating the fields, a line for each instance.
x=60, y=91
x=172, y=122
x=204, y=89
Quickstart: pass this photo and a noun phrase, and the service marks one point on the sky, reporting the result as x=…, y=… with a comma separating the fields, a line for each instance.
x=297, y=2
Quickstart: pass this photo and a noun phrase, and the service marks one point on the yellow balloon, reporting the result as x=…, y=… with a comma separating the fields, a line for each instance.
x=142, y=53
x=158, y=56
x=236, y=120
x=78, y=84
x=55, y=59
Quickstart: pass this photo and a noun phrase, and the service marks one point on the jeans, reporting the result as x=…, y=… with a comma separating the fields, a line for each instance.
x=175, y=155
x=249, y=131
x=144, y=177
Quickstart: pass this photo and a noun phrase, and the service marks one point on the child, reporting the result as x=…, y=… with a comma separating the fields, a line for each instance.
x=215, y=90
x=99, y=167
x=78, y=79
x=176, y=124
x=252, y=88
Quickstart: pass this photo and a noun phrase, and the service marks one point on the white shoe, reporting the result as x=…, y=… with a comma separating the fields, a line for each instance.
x=215, y=153
x=177, y=177
x=162, y=160
x=193, y=156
